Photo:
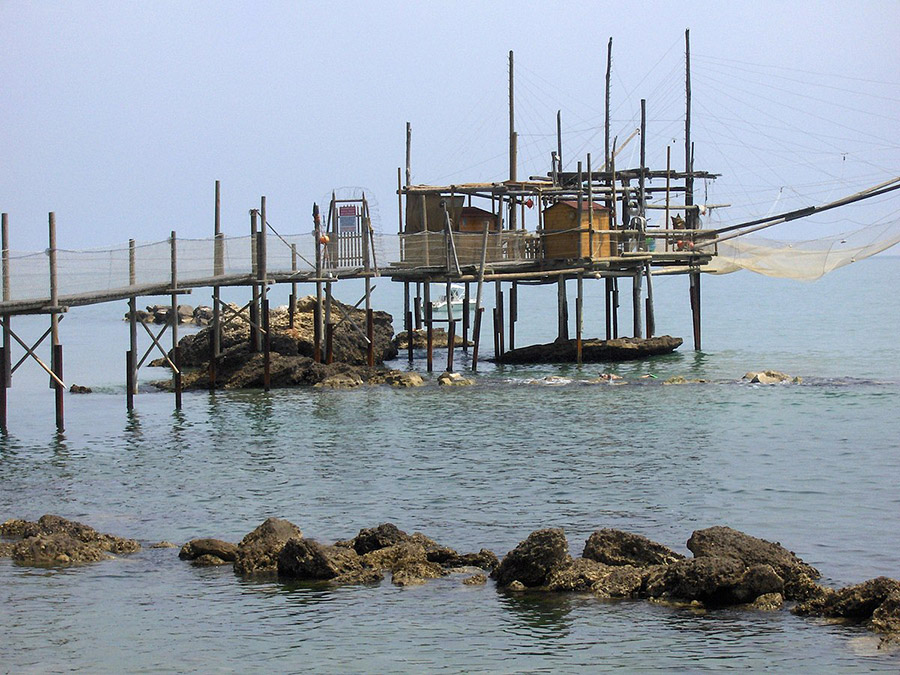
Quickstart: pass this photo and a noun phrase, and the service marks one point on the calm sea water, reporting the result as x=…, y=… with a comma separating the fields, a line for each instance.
x=813, y=466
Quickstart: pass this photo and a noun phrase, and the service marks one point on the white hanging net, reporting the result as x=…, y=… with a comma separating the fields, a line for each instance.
x=803, y=260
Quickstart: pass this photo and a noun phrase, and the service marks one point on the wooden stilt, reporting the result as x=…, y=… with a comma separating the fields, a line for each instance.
x=418, y=306
x=695, y=308
x=370, y=334
x=476, y=337
x=407, y=324
x=4, y=377
x=513, y=313
x=501, y=337
x=173, y=319
x=562, y=318
x=317, y=310
x=254, y=293
x=58, y=388
x=495, y=328
x=637, y=304
x=176, y=359
x=329, y=326
x=267, y=347
x=429, y=333
x=609, y=302
x=409, y=336
x=579, y=319
x=465, y=318
x=615, y=315
x=129, y=380
x=451, y=343
x=292, y=301
x=651, y=319
x=7, y=379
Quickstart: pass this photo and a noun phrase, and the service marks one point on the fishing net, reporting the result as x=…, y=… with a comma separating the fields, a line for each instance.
x=803, y=260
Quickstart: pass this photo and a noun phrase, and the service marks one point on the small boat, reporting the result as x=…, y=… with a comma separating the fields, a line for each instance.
x=457, y=298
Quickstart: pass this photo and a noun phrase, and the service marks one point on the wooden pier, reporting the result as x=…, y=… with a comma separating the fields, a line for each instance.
x=555, y=228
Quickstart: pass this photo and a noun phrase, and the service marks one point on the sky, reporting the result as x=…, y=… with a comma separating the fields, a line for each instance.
x=120, y=116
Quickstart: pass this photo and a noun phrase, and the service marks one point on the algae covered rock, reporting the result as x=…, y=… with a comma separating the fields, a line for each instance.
x=534, y=560
x=258, y=551
x=615, y=547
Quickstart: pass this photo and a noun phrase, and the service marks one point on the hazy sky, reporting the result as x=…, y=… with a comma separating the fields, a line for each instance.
x=119, y=116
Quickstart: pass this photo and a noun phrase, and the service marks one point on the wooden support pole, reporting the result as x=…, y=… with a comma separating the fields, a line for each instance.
x=262, y=266
x=7, y=344
x=695, y=308
x=408, y=153
x=418, y=309
x=637, y=304
x=513, y=313
x=59, y=390
x=254, y=293
x=690, y=215
x=429, y=328
x=370, y=334
x=4, y=377
x=267, y=346
x=129, y=380
x=609, y=302
x=495, y=329
x=329, y=325
x=451, y=344
x=615, y=316
x=465, y=318
x=409, y=337
x=317, y=310
x=651, y=318
x=579, y=318
x=501, y=332
x=476, y=337
x=173, y=316
x=562, y=332
x=292, y=301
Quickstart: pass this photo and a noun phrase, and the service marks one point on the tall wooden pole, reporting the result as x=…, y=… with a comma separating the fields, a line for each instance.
x=408, y=154
x=579, y=319
x=688, y=154
x=218, y=271
x=56, y=347
x=173, y=314
x=7, y=378
x=513, y=140
x=317, y=311
x=695, y=308
x=264, y=295
x=606, y=125
x=559, y=155
x=131, y=359
x=254, y=294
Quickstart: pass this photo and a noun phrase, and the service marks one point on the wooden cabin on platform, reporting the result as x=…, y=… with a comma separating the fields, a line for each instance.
x=575, y=231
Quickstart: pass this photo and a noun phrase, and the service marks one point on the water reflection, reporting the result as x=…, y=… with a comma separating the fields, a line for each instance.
x=544, y=614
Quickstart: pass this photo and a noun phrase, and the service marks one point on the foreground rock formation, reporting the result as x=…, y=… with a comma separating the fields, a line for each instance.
x=593, y=351
x=54, y=541
x=729, y=568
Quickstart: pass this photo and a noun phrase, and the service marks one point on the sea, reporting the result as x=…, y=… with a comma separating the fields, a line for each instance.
x=814, y=466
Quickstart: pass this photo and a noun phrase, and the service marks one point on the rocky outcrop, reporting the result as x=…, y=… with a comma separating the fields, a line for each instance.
x=259, y=550
x=402, y=379
x=209, y=552
x=770, y=377
x=615, y=547
x=54, y=540
x=713, y=581
x=533, y=561
x=874, y=603
x=382, y=536
x=719, y=542
x=447, y=379
x=593, y=351
x=307, y=559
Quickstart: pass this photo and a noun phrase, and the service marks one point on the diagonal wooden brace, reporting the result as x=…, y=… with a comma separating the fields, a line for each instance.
x=29, y=351
x=155, y=339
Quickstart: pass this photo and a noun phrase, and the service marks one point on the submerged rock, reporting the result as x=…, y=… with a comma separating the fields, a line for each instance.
x=534, y=560
x=593, y=351
x=770, y=377
x=209, y=552
x=307, y=559
x=258, y=551
x=615, y=547
x=447, y=379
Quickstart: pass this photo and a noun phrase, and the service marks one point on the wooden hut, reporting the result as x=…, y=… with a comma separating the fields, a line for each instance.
x=566, y=237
